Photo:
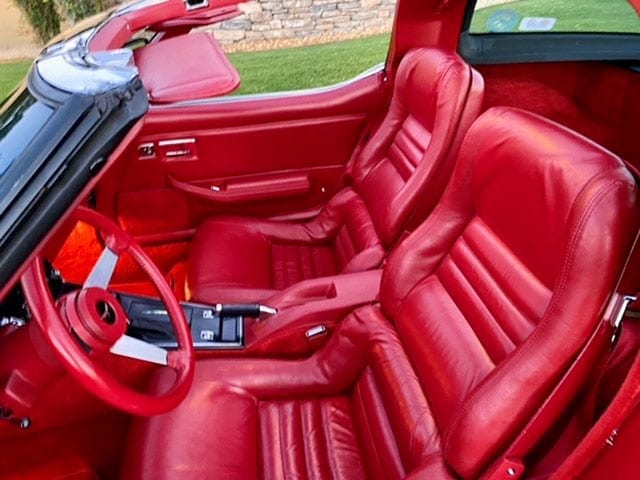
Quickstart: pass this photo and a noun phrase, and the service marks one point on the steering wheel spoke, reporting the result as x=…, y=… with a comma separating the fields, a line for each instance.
x=131, y=347
x=94, y=315
x=102, y=271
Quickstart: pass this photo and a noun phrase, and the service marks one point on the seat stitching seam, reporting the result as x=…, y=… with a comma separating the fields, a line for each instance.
x=493, y=317
x=367, y=424
x=517, y=304
x=305, y=446
x=280, y=440
x=453, y=299
x=329, y=440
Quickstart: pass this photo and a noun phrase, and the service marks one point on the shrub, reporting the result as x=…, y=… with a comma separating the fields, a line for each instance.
x=43, y=17
x=78, y=9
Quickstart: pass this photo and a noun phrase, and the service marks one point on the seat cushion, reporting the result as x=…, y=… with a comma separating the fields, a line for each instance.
x=213, y=434
x=355, y=411
x=239, y=437
x=236, y=259
x=292, y=263
x=309, y=438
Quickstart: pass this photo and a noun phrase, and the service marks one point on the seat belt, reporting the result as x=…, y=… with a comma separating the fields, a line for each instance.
x=599, y=347
x=511, y=465
x=605, y=431
x=371, y=126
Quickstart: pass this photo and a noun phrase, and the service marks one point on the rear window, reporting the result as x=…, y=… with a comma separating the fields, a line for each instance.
x=559, y=16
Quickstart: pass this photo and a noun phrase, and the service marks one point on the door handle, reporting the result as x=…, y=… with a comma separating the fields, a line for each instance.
x=178, y=153
x=177, y=148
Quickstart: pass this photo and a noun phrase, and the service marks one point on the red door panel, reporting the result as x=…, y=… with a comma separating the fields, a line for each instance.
x=262, y=156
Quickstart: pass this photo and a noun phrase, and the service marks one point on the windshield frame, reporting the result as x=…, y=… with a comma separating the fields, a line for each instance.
x=44, y=143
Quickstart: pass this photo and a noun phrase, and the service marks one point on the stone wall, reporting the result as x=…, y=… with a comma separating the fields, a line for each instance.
x=279, y=23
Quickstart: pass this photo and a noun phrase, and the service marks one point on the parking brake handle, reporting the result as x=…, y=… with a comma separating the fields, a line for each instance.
x=251, y=310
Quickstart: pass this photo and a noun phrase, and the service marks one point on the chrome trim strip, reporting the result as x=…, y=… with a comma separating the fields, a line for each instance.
x=251, y=97
x=621, y=309
x=177, y=141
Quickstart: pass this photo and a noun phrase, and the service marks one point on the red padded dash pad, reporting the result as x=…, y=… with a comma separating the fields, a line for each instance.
x=185, y=68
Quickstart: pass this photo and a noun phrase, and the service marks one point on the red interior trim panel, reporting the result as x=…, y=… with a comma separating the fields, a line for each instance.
x=264, y=156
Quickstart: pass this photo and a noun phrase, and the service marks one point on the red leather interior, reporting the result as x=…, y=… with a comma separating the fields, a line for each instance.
x=571, y=94
x=321, y=302
x=247, y=190
x=235, y=260
x=490, y=299
x=257, y=141
x=169, y=75
x=63, y=468
x=397, y=179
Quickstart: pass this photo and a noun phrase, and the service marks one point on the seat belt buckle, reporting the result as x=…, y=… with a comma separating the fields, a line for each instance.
x=506, y=469
x=616, y=311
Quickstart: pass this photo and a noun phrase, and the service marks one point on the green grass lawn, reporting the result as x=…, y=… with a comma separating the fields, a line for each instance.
x=305, y=67
x=10, y=75
x=571, y=15
x=275, y=70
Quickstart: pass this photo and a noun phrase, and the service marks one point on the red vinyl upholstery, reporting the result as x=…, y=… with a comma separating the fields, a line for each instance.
x=397, y=179
x=482, y=309
x=205, y=72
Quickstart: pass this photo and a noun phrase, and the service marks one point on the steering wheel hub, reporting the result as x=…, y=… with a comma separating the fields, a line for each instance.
x=95, y=316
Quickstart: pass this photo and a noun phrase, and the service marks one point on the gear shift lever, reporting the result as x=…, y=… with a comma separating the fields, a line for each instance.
x=251, y=310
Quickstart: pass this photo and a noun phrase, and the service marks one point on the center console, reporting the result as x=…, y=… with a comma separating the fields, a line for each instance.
x=149, y=321
x=306, y=314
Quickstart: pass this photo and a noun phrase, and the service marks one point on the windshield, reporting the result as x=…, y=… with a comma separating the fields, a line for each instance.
x=20, y=122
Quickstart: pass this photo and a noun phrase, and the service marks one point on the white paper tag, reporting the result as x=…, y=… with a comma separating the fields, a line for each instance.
x=537, y=24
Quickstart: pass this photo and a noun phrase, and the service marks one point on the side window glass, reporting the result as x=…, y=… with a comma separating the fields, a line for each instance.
x=282, y=45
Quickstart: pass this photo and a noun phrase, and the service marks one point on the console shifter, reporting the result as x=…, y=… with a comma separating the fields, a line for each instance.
x=251, y=310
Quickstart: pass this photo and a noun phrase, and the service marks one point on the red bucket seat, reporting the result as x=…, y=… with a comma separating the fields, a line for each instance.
x=397, y=179
x=482, y=310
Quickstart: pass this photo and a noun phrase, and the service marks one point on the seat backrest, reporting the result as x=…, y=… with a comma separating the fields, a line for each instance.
x=495, y=293
x=404, y=168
